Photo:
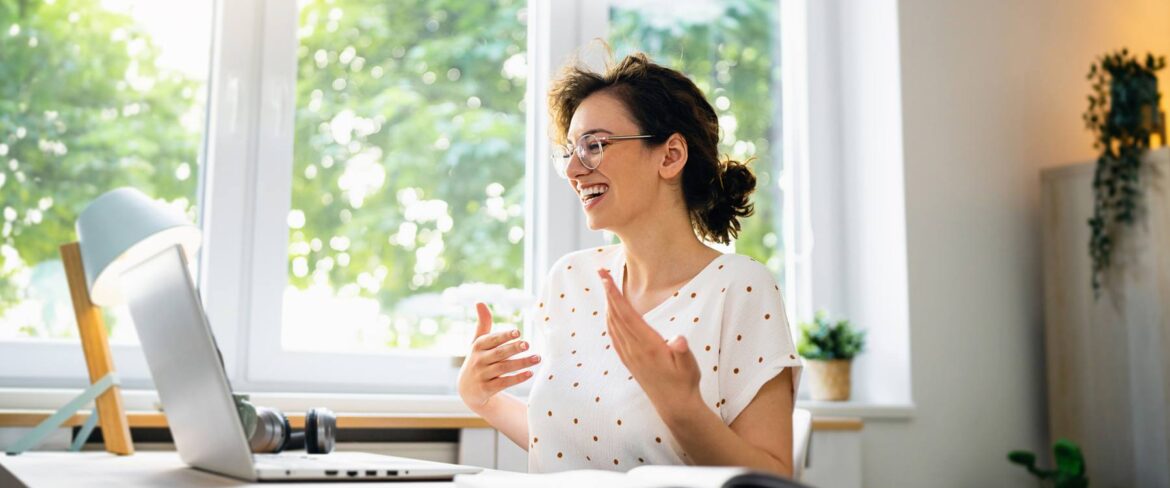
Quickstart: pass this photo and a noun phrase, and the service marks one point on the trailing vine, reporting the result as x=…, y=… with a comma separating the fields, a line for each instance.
x=1123, y=113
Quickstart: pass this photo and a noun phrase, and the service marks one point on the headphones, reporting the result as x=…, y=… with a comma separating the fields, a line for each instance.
x=268, y=431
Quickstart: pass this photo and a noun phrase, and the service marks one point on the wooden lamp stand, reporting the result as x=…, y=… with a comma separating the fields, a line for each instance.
x=103, y=390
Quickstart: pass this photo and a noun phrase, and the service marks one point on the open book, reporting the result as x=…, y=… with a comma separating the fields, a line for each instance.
x=640, y=477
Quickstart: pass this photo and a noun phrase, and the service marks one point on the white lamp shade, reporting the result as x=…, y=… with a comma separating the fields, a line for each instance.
x=122, y=228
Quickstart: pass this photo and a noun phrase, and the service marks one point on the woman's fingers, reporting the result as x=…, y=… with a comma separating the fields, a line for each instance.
x=506, y=351
x=507, y=381
x=485, y=320
x=612, y=317
x=632, y=327
x=488, y=342
x=508, y=366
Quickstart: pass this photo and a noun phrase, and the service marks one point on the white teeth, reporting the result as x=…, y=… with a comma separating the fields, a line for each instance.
x=592, y=191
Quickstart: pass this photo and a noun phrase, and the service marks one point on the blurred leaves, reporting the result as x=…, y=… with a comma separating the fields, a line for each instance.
x=84, y=108
x=824, y=340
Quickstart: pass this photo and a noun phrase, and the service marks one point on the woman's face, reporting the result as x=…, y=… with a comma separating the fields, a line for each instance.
x=627, y=177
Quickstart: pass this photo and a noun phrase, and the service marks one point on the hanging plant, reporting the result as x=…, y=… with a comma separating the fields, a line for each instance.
x=1123, y=113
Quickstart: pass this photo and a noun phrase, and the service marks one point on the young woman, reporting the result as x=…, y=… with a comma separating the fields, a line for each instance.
x=637, y=144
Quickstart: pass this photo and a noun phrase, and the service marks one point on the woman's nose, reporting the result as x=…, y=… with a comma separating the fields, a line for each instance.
x=576, y=168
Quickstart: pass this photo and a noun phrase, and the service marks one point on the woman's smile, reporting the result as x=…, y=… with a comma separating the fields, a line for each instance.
x=592, y=196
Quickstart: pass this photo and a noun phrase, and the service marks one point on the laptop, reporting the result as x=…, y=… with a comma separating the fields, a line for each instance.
x=193, y=387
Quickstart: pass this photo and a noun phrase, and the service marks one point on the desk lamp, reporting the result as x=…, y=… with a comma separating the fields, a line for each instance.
x=116, y=231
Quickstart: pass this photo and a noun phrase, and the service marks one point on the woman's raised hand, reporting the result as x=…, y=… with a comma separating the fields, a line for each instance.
x=485, y=371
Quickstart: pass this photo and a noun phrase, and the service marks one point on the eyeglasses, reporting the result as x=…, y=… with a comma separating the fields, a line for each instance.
x=589, y=150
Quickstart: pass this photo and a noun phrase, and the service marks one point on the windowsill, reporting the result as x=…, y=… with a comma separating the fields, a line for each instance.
x=392, y=404
x=862, y=410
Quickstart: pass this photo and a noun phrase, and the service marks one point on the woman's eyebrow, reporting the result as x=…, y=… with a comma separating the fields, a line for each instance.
x=590, y=131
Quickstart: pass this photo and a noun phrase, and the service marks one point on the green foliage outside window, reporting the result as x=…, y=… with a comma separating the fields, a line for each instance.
x=84, y=108
x=409, y=157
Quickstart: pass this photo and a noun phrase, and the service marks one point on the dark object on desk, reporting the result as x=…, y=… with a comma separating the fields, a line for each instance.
x=268, y=430
x=761, y=480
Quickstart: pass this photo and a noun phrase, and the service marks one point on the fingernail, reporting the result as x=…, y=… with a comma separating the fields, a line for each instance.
x=523, y=346
x=535, y=359
x=515, y=333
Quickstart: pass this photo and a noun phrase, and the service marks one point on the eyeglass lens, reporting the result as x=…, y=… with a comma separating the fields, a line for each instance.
x=588, y=150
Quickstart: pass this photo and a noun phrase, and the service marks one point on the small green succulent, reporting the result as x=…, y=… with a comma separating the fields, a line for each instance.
x=824, y=340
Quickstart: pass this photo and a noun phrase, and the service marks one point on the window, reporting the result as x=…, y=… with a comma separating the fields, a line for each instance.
x=94, y=95
x=373, y=167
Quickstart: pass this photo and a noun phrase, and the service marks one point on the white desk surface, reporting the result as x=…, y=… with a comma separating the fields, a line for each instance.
x=37, y=469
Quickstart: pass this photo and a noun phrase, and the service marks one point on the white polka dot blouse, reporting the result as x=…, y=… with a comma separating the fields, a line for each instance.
x=585, y=410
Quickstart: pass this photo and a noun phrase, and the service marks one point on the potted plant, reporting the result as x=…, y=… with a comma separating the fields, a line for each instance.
x=1123, y=113
x=1070, y=465
x=828, y=349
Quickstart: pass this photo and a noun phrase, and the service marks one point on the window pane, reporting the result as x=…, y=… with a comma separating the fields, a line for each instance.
x=408, y=173
x=730, y=50
x=94, y=95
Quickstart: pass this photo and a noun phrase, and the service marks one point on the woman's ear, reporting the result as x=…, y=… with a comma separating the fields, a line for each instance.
x=675, y=158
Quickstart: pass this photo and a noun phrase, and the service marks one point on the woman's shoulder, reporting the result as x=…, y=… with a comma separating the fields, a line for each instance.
x=746, y=270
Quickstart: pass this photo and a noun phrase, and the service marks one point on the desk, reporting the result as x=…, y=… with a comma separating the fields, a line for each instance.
x=835, y=454
x=346, y=420
x=152, y=469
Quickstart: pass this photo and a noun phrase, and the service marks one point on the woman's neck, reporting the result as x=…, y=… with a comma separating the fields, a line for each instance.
x=662, y=254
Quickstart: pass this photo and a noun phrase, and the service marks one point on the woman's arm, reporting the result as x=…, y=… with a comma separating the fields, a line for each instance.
x=507, y=414
x=759, y=438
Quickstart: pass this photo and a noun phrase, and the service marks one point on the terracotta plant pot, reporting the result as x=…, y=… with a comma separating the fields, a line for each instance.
x=830, y=378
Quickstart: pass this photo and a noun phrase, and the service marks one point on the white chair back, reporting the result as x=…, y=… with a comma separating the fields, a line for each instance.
x=801, y=440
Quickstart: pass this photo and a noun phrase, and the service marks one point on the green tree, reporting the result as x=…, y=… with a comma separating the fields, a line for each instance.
x=409, y=149
x=84, y=108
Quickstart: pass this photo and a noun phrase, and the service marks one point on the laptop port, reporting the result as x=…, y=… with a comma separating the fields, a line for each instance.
x=352, y=473
x=371, y=472
x=330, y=472
x=392, y=472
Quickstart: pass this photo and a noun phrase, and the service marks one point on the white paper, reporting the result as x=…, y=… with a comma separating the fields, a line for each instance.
x=640, y=477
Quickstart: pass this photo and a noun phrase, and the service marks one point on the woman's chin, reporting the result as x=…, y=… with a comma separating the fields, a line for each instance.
x=597, y=222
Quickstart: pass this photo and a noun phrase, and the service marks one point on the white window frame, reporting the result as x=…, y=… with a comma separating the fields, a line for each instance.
x=247, y=195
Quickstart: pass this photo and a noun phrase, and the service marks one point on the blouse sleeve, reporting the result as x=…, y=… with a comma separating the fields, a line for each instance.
x=756, y=343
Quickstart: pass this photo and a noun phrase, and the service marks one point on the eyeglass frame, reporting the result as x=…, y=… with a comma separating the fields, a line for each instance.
x=561, y=162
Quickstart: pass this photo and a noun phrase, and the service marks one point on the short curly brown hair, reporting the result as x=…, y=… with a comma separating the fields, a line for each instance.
x=663, y=102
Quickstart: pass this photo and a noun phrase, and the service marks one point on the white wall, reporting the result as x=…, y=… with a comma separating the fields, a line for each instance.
x=991, y=92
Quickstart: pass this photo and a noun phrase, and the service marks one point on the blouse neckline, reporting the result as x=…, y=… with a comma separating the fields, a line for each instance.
x=621, y=278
